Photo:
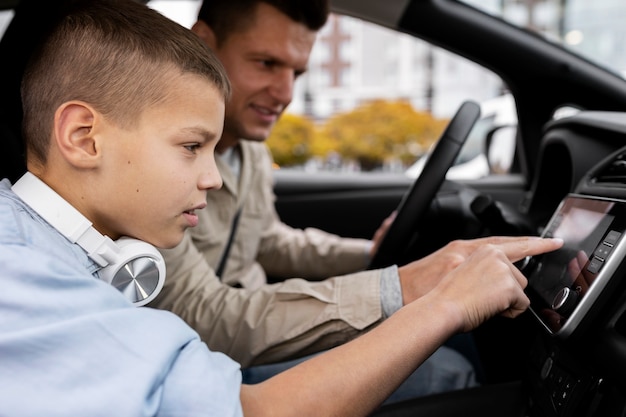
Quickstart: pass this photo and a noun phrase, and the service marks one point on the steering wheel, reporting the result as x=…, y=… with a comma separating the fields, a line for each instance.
x=417, y=200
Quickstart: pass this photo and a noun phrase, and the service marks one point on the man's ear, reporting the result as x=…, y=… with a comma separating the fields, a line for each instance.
x=74, y=134
x=205, y=33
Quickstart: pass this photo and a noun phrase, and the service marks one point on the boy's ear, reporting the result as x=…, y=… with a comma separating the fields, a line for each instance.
x=205, y=33
x=74, y=134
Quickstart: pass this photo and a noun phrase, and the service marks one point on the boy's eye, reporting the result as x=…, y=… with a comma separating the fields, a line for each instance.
x=193, y=147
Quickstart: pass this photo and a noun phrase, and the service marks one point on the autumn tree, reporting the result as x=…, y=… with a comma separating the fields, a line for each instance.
x=375, y=132
x=382, y=130
x=291, y=140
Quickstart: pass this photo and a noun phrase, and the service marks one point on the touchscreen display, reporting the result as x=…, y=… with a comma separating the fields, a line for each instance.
x=563, y=284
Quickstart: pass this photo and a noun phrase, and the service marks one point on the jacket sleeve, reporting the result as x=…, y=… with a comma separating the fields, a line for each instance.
x=274, y=323
x=310, y=253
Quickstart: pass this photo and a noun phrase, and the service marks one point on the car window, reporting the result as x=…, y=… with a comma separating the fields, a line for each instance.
x=5, y=19
x=356, y=63
x=593, y=29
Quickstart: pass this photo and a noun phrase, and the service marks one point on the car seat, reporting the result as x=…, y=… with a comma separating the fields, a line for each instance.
x=31, y=20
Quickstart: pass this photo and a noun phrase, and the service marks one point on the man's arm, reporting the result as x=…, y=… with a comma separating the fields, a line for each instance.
x=310, y=253
x=273, y=323
x=286, y=252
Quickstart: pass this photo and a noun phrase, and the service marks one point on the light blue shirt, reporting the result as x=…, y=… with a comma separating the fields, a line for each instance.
x=72, y=345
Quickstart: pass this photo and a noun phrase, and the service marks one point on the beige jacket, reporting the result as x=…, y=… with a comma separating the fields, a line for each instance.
x=264, y=323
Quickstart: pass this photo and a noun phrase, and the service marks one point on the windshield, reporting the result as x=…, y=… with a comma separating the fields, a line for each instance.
x=593, y=29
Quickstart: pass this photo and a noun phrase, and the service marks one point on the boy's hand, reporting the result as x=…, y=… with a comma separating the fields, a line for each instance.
x=420, y=277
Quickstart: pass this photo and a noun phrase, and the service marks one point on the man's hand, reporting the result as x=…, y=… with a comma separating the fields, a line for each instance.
x=381, y=232
x=421, y=276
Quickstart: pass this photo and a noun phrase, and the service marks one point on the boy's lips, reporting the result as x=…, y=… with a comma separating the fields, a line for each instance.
x=191, y=216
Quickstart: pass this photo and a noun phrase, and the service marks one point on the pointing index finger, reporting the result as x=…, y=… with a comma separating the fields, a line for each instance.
x=520, y=248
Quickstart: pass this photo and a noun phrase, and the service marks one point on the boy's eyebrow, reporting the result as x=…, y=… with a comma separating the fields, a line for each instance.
x=207, y=135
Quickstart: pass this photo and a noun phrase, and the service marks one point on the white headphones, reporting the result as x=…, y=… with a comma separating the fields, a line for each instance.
x=132, y=266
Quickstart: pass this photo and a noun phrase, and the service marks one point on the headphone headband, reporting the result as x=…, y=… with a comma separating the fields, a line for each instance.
x=134, y=267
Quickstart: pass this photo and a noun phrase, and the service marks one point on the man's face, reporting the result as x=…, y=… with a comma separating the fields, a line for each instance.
x=156, y=173
x=262, y=63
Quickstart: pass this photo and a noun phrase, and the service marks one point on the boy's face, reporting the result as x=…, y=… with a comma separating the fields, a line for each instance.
x=262, y=63
x=157, y=172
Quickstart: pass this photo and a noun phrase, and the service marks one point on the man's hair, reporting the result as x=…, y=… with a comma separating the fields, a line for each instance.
x=117, y=56
x=225, y=17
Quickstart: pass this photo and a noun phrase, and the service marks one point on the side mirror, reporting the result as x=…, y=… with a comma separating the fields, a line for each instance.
x=500, y=148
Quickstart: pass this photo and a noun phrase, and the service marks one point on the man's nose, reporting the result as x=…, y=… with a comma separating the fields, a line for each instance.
x=282, y=86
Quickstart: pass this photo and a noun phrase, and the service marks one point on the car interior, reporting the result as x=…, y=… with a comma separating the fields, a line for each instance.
x=564, y=167
x=564, y=357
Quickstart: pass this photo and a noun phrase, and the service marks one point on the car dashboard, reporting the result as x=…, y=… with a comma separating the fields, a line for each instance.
x=577, y=366
x=573, y=362
x=569, y=150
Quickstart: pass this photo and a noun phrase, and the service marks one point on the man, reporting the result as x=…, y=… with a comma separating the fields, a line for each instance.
x=264, y=46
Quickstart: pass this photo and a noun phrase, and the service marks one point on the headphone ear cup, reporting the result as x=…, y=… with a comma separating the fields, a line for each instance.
x=138, y=272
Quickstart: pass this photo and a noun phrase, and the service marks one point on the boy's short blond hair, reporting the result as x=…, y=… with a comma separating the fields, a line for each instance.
x=116, y=55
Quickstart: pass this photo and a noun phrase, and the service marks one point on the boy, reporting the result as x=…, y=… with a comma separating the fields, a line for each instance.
x=120, y=130
x=122, y=111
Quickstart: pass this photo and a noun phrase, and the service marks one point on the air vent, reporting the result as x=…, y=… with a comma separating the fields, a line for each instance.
x=614, y=172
